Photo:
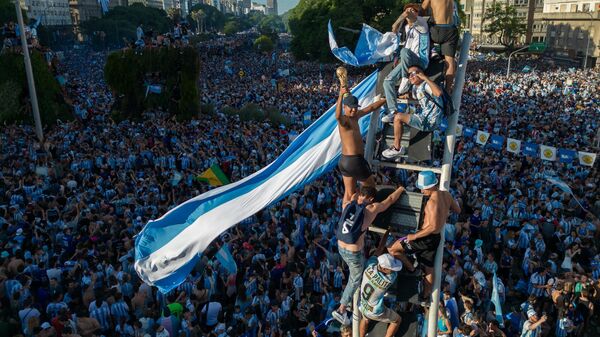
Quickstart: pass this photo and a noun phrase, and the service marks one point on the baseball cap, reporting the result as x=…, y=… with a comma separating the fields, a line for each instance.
x=351, y=101
x=531, y=313
x=426, y=179
x=389, y=262
x=19, y=231
x=45, y=325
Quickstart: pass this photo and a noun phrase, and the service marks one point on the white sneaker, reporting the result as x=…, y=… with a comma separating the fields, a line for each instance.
x=388, y=118
x=392, y=153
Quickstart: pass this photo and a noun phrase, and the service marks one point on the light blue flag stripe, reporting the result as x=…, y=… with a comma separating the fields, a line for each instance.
x=226, y=259
x=167, y=248
x=372, y=47
x=496, y=301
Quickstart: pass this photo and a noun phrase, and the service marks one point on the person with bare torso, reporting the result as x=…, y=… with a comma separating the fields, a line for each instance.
x=352, y=164
x=424, y=243
x=358, y=214
x=444, y=23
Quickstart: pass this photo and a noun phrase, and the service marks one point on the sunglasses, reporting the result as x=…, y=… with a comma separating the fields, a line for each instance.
x=412, y=74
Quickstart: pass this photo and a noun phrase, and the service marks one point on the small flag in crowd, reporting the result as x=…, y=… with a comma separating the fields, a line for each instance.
x=307, y=118
x=530, y=149
x=459, y=130
x=564, y=187
x=548, y=152
x=586, y=158
x=566, y=156
x=226, y=259
x=513, y=145
x=482, y=137
x=496, y=301
x=214, y=176
x=468, y=132
x=497, y=142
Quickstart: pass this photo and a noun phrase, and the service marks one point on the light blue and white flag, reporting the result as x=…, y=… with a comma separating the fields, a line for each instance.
x=563, y=187
x=226, y=259
x=168, y=248
x=372, y=47
x=496, y=301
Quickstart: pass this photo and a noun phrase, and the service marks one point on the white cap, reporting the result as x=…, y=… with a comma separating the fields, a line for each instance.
x=531, y=313
x=19, y=231
x=389, y=262
x=45, y=325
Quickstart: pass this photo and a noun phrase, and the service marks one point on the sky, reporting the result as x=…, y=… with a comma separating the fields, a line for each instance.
x=285, y=5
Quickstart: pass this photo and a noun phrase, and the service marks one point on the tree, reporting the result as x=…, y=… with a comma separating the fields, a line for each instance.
x=198, y=16
x=8, y=13
x=263, y=44
x=231, y=27
x=501, y=20
x=174, y=14
x=213, y=19
x=308, y=23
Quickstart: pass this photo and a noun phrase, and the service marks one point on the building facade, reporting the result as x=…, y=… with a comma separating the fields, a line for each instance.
x=271, y=7
x=50, y=12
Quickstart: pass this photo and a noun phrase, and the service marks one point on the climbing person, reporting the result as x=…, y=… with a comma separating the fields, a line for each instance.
x=358, y=214
x=379, y=275
x=427, y=118
x=424, y=243
x=352, y=164
x=443, y=24
x=415, y=35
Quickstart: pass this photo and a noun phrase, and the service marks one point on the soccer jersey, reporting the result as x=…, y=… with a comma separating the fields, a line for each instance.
x=373, y=287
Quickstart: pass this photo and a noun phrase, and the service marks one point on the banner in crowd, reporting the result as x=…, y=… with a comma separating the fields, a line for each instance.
x=214, y=176
x=167, y=249
x=545, y=152
x=564, y=187
x=372, y=47
x=226, y=259
x=496, y=301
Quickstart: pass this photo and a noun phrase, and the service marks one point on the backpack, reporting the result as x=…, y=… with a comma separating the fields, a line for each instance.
x=447, y=106
x=349, y=228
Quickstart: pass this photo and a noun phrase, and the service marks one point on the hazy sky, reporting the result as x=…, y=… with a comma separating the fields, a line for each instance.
x=285, y=5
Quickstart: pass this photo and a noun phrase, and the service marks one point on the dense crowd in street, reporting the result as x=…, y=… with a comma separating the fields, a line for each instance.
x=71, y=206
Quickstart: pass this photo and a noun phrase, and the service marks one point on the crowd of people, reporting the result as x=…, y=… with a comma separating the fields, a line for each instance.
x=70, y=208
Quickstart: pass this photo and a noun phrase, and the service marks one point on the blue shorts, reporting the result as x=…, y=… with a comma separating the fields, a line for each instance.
x=418, y=123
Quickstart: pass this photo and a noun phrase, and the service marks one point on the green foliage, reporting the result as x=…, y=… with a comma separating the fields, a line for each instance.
x=232, y=27
x=263, y=44
x=122, y=22
x=308, y=23
x=8, y=12
x=128, y=72
x=211, y=18
x=502, y=20
x=14, y=88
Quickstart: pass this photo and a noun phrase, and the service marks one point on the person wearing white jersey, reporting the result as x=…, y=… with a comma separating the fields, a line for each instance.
x=380, y=274
x=415, y=52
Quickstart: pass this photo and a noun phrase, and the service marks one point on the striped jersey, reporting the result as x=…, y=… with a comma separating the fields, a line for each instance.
x=418, y=41
x=373, y=288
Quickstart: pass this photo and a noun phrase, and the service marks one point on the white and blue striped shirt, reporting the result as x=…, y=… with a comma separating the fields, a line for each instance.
x=101, y=314
x=119, y=310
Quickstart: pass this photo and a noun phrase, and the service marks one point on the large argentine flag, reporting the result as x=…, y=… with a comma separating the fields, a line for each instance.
x=372, y=47
x=167, y=248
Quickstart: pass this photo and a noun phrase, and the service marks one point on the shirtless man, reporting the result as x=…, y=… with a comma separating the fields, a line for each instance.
x=444, y=23
x=424, y=243
x=358, y=214
x=352, y=164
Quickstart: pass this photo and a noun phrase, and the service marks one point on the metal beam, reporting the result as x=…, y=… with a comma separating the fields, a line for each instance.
x=446, y=176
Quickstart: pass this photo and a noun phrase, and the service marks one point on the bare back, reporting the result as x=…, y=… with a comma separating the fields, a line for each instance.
x=438, y=209
x=352, y=143
x=442, y=11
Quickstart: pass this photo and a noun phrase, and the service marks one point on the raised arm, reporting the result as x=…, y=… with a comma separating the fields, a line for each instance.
x=435, y=89
x=380, y=207
x=372, y=107
x=396, y=25
x=425, y=5
x=338, y=105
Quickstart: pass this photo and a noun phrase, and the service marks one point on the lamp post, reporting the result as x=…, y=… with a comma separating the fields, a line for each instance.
x=587, y=47
x=29, y=72
x=509, y=56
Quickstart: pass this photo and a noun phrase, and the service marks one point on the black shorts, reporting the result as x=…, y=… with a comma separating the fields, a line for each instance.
x=355, y=166
x=446, y=36
x=423, y=248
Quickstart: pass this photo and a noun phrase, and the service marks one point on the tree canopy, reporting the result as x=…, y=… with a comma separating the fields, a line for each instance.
x=308, y=23
x=122, y=22
x=501, y=20
x=263, y=44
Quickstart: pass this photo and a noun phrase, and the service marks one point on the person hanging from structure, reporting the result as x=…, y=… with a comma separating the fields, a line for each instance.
x=443, y=29
x=415, y=35
x=429, y=113
x=424, y=243
x=352, y=164
x=358, y=214
x=379, y=275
